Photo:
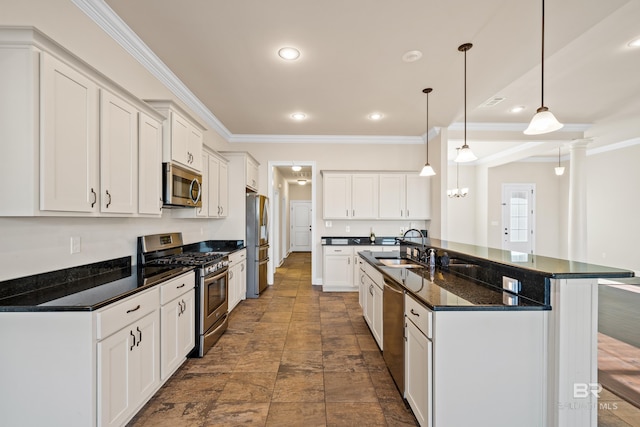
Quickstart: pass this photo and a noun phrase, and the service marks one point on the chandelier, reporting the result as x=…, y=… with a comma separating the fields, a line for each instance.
x=458, y=192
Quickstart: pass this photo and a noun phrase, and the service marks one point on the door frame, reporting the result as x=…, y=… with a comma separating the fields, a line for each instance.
x=315, y=280
x=531, y=189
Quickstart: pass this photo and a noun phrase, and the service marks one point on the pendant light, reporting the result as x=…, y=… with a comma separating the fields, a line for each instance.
x=559, y=169
x=543, y=121
x=465, y=154
x=458, y=192
x=427, y=170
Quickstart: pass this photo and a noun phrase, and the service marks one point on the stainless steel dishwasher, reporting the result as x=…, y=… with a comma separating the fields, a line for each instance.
x=393, y=331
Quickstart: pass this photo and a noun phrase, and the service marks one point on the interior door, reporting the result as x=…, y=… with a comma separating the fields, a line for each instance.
x=518, y=218
x=301, y=226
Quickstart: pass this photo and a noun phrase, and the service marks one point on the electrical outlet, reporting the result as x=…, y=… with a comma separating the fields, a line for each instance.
x=347, y=229
x=75, y=244
x=328, y=224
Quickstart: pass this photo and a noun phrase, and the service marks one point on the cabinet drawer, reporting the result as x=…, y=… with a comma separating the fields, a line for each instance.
x=338, y=250
x=238, y=257
x=420, y=315
x=176, y=287
x=125, y=312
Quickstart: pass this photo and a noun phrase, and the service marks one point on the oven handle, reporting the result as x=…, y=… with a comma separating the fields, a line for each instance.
x=217, y=276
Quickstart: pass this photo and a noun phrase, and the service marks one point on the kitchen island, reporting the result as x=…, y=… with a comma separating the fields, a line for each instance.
x=549, y=313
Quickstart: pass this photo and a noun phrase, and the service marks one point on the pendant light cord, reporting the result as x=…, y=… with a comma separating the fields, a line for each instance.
x=465, y=98
x=542, y=60
x=426, y=136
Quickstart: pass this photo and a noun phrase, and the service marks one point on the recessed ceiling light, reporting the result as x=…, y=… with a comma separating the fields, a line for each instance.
x=289, y=53
x=412, y=56
x=375, y=116
x=634, y=43
x=517, y=109
x=296, y=168
x=298, y=116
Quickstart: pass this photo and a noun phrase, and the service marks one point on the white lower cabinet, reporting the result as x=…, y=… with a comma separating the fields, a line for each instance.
x=128, y=363
x=237, y=278
x=372, y=308
x=475, y=367
x=338, y=269
x=177, y=323
x=418, y=364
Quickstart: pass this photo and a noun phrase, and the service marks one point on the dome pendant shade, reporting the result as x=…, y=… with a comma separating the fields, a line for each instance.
x=543, y=122
x=465, y=155
x=427, y=170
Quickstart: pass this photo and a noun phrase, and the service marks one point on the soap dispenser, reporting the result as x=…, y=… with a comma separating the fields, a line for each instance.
x=372, y=237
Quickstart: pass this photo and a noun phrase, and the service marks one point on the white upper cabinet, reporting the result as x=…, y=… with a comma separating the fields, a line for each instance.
x=350, y=196
x=74, y=135
x=252, y=174
x=149, y=169
x=182, y=135
x=69, y=148
x=404, y=196
x=118, y=154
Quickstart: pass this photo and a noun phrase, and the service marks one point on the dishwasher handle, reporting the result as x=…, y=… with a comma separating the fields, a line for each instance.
x=393, y=287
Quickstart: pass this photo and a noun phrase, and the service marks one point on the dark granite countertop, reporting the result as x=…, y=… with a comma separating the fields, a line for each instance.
x=358, y=241
x=84, y=288
x=550, y=267
x=440, y=289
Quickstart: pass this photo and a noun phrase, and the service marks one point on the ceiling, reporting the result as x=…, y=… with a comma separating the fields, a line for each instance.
x=351, y=65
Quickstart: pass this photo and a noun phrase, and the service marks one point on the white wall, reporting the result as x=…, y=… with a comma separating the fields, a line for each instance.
x=300, y=192
x=550, y=226
x=613, y=205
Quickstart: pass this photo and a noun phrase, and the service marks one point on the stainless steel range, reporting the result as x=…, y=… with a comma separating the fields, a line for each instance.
x=212, y=284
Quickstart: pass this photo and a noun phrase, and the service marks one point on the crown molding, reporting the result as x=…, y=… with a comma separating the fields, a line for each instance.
x=512, y=127
x=324, y=139
x=114, y=26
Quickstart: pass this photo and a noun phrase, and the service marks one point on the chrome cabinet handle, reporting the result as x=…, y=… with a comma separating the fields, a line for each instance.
x=140, y=337
x=181, y=286
x=133, y=344
x=160, y=208
x=133, y=309
x=95, y=198
x=231, y=275
x=414, y=313
x=242, y=267
x=109, y=202
x=371, y=289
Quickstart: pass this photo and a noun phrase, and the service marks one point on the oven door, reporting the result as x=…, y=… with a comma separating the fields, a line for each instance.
x=214, y=299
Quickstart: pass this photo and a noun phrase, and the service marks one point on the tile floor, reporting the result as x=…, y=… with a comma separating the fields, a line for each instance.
x=293, y=357
x=299, y=357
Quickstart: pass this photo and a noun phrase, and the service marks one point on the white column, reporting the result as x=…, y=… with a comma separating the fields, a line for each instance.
x=578, y=200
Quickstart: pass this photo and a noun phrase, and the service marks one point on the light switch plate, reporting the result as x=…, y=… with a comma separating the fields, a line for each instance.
x=347, y=229
x=75, y=244
x=511, y=285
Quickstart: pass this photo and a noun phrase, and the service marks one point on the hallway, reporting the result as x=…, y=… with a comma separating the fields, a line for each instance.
x=293, y=357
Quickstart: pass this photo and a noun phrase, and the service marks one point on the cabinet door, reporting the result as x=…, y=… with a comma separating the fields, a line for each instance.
x=336, y=199
x=145, y=363
x=252, y=175
x=195, y=159
x=223, y=190
x=149, y=166
x=118, y=154
x=338, y=270
x=392, y=196
x=364, y=196
x=178, y=332
x=233, y=287
x=418, y=197
x=180, y=129
x=362, y=288
x=205, y=192
x=377, y=315
x=368, y=301
x=69, y=139
x=114, y=359
x=214, y=196
x=418, y=373
x=242, y=279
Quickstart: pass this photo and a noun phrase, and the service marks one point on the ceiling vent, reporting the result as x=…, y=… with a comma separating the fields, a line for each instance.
x=491, y=102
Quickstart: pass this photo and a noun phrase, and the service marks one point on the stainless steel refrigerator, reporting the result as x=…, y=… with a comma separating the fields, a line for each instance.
x=257, y=244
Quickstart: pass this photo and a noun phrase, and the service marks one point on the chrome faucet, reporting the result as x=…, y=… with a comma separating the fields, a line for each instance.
x=414, y=229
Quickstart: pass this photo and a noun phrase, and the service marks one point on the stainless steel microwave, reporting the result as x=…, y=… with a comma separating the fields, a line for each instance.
x=180, y=186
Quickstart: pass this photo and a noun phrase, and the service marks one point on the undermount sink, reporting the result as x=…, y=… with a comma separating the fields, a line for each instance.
x=399, y=262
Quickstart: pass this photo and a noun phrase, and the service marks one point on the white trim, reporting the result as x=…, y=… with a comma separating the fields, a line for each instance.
x=611, y=147
x=115, y=27
x=513, y=127
x=324, y=139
